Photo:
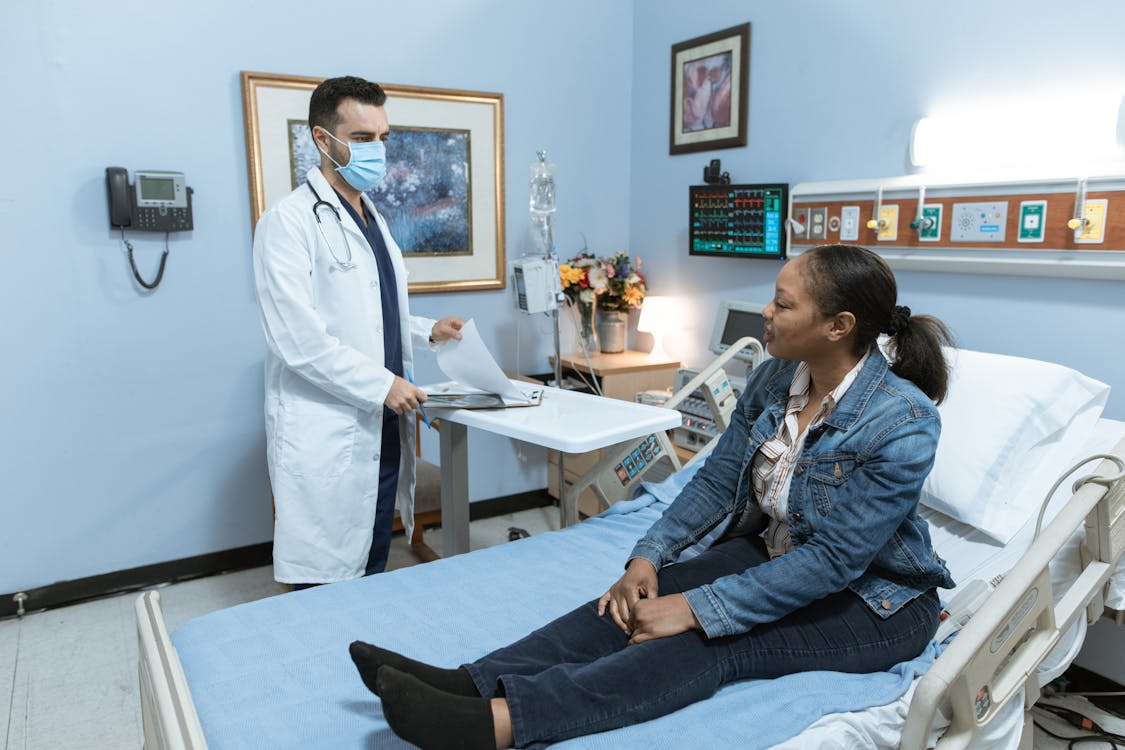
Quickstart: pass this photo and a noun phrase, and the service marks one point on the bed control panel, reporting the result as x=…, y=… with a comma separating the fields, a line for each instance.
x=1025, y=635
x=634, y=460
x=650, y=458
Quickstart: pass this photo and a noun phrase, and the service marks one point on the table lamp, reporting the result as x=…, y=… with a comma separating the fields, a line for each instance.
x=658, y=314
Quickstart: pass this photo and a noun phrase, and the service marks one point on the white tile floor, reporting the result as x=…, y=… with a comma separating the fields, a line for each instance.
x=68, y=676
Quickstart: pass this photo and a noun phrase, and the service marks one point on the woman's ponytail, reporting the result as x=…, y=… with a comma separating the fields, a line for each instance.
x=916, y=353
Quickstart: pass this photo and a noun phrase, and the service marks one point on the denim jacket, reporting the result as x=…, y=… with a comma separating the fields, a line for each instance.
x=852, y=502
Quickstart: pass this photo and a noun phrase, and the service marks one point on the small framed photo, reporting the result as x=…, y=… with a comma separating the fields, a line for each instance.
x=709, y=83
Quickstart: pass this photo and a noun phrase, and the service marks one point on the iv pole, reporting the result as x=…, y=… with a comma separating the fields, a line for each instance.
x=542, y=208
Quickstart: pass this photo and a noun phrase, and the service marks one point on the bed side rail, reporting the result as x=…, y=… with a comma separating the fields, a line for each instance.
x=1003, y=644
x=167, y=712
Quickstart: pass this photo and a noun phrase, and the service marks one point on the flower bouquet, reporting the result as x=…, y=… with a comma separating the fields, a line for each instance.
x=624, y=287
x=615, y=284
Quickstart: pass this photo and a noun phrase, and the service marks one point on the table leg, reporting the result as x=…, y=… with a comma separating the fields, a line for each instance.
x=454, y=488
x=568, y=500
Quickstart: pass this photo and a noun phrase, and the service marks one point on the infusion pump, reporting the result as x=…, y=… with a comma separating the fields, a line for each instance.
x=536, y=283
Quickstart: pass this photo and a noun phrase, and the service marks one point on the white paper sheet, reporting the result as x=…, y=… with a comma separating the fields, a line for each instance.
x=469, y=362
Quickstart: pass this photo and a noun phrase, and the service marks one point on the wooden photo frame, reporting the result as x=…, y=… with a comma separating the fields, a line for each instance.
x=710, y=76
x=443, y=197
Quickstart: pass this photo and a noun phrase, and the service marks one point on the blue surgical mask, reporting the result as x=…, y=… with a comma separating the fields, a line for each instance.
x=367, y=165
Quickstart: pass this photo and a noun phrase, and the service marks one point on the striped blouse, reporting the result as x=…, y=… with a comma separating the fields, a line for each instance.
x=772, y=466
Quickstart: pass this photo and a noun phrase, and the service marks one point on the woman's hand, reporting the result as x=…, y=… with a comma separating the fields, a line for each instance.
x=662, y=617
x=638, y=582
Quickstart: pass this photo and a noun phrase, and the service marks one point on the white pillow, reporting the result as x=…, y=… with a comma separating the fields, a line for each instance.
x=1001, y=418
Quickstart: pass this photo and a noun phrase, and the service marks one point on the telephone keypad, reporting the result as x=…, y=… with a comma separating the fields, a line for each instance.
x=162, y=219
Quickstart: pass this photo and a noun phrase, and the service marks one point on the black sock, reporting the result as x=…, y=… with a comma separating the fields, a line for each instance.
x=433, y=719
x=369, y=658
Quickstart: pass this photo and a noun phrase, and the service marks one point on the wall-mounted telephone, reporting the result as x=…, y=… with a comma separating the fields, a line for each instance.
x=157, y=202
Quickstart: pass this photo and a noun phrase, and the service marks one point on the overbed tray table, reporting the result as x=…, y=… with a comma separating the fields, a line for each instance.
x=566, y=421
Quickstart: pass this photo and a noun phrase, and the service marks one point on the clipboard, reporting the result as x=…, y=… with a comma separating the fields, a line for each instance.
x=454, y=395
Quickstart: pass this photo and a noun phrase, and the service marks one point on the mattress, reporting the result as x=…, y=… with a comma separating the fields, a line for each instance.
x=276, y=674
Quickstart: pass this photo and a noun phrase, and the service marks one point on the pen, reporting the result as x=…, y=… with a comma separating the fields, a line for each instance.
x=422, y=409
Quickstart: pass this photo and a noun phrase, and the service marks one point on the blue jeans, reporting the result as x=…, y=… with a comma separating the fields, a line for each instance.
x=577, y=675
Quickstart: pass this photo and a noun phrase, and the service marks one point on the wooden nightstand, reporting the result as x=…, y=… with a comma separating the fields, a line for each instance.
x=621, y=376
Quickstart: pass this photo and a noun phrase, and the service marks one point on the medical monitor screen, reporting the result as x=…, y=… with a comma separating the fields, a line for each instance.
x=738, y=221
x=741, y=323
x=736, y=320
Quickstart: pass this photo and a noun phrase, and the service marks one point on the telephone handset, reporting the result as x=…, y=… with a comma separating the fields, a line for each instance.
x=158, y=202
x=120, y=199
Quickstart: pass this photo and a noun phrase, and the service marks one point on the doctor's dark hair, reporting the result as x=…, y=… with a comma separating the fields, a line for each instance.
x=326, y=98
x=848, y=278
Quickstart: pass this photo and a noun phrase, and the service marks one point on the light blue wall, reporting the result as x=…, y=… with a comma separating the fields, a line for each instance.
x=130, y=423
x=834, y=90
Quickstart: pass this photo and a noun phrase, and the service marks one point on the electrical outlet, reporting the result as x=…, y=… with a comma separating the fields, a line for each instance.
x=818, y=223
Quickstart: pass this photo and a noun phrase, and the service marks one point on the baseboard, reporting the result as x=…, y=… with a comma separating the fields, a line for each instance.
x=500, y=506
x=78, y=590
x=496, y=506
x=63, y=593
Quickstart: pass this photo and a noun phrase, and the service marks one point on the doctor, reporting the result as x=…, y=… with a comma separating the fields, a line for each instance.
x=332, y=287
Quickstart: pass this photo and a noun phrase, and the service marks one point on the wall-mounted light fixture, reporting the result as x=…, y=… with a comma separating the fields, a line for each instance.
x=1071, y=131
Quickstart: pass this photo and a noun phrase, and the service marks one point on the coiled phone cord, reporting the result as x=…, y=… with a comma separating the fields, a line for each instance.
x=133, y=263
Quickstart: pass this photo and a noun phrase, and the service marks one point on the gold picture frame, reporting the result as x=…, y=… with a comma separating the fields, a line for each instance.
x=452, y=244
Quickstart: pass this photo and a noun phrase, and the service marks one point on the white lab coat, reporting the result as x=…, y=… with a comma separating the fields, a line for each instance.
x=325, y=385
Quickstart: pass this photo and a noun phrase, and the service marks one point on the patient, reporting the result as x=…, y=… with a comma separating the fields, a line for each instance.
x=824, y=563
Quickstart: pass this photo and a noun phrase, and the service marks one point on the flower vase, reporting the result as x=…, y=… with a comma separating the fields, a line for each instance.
x=612, y=325
x=587, y=331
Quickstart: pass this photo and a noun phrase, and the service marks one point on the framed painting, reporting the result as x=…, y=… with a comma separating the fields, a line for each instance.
x=443, y=197
x=709, y=83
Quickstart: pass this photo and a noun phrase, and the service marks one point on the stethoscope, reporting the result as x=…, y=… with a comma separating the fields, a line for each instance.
x=342, y=265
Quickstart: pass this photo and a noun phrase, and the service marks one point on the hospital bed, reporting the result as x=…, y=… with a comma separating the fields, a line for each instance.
x=275, y=673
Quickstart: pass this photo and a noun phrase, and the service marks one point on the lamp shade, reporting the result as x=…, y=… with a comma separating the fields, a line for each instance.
x=658, y=316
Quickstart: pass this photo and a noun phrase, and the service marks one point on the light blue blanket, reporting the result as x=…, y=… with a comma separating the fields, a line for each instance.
x=276, y=674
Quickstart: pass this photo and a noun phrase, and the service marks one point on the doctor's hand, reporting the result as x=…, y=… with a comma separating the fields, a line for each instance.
x=404, y=396
x=662, y=617
x=446, y=328
x=622, y=598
